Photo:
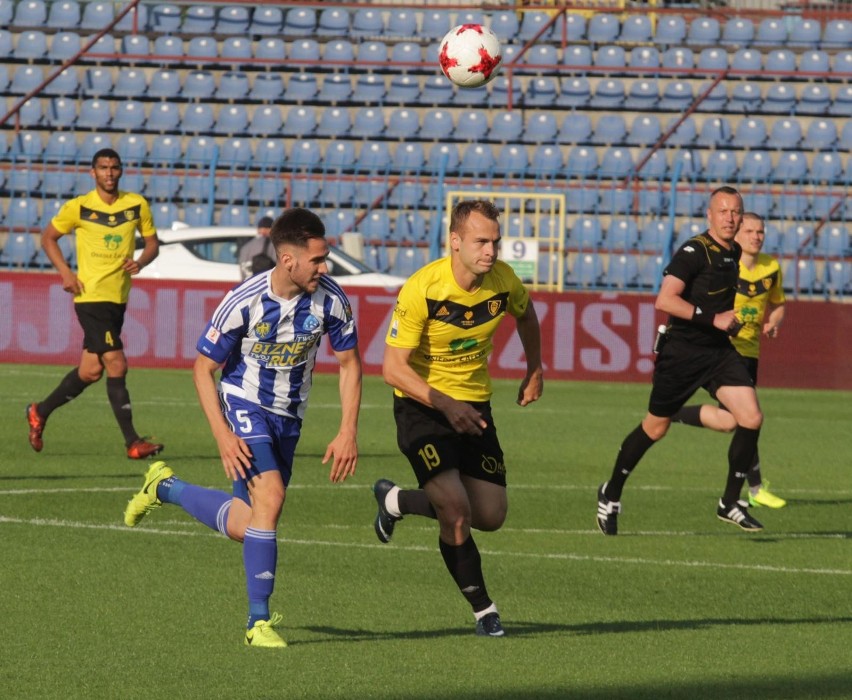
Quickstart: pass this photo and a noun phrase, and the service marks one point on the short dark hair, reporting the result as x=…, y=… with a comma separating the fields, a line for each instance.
x=753, y=215
x=106, y=153
x=265, y=222
x=296, y=226
x=725, y=189
x=463, y=210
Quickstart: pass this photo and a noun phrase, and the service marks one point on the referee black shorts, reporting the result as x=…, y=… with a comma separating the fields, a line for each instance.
x=101, y=322
x=432, y=446
x=683, y=368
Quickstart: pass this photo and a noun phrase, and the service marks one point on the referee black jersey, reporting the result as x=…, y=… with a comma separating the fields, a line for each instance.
x=710, y=274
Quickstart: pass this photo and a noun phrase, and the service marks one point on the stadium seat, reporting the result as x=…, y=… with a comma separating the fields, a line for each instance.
x=791, y=166
x=622, y=271
x=270, y=153
x=29, y=13
x=198, y=19
x=546, y=161
x=165, y=150
x=804, y=33
x=198, y=215
x=235, y=49
x=575, y=128
x=268, y=120
x=267, y=87
x=585, y=233
x=97, y=82
x=408, y=156
x=612, y=57
x=533, y=22
x=745, y=98
x=373, y=157
x=20, y=248
x=305, y=154
x=373, y=55
x=367, y=22
x=197, y=118
x=402, y=124
x=577, y=58
x=616, y=163
x=31, y=45
x=234, y=86
x=505, y=24
x=64, y=45
x=586, y=271
x=712, y=60
x=233, y=20
x=540, y=127
x=721, y=166
x=539, y=59
x=204, y=48
x=336, y=88
x=477, y=160
x=747, y=62
x=636, y=29
x=300, y=22
x=136, y=46
x=165, y=84
x=779, y=99
x=797, y=239
x=97, y=15
x=437, y=125
x=574, y=92
x=814, y=62
x=704, y=31
x=300, y=122
x=678, y=58
x=512, y=161
x=506, y=126
x=780, y=63
x=62, y=148
x=609, y=129
x=369, y=123
x=838, y=277
x=756, y=166
x=272, y=51
x=61, y=15
x=334, y=123
x=167, y=46
x=737, y=32
x=472, y=126
x=333, y=21
x=163, y=117
x=645, y=57
x=582, y=162
x=837, y=34
x=785, y=133
x=845, y=138
x=404, y=90
x=95, y=115
x=609, y=94
x=644, y=131
x=61, y=114
x=443, y=157
x=370, y=89
x=821, y=135
x=690, y=203
x=301, y=87
x=771, y=31
x=401, y=22
x=136, y=20
x=814, y=99
x=671, y=30
x=714, y=98
x=750, y=133
x=231, y=120
x=340, y=156
x=825, y=167
x=131, y=82
x=405, y=52
x=791, y=205
x=231, y=188
x=233, y=215
x=603, y=28
x=501, y=89
x=833, y=240
x=266, y=20
x=642, y=96
x=677, y=96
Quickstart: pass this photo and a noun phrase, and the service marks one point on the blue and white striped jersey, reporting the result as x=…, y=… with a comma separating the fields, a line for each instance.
x=268, y=345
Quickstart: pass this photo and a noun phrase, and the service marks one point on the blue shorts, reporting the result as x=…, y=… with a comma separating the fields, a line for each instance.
x=271, y=438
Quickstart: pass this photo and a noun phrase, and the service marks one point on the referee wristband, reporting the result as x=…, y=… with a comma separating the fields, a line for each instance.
x=702, y=319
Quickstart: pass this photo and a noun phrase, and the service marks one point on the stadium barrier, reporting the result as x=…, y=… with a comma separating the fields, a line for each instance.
x=586, y=336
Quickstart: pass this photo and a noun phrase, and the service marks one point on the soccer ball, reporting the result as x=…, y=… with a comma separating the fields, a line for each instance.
x=470, y=55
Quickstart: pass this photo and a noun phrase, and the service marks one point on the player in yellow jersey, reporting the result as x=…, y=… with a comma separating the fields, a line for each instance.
x=106, y=221
x=759, y=305
x=436, y=360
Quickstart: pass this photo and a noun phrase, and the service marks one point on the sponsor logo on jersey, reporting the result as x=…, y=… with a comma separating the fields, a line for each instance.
x=311, y=323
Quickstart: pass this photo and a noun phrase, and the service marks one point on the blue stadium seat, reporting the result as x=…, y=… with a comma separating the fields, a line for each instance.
x=750, y=133
x=198, y=19
x=814, y=62
x=576, y=127
x=235, y=49
x=63, y=46
x=95, y=115
x=690, y=163
x=671, y=30
x=333, y=21
x=367, y=22
x=791, y=166
x=410, y=226
x=845, y=139
x=603, y=28
x=136, y=20
x=61, y=113
x=369, y=123
x=714, y=98
x=301, y=87
x=165, y=84
x=838, y=277
x=506, y=126
x=756, y=166
x=403, y=124
x=546, y=161
x=405, y=52
x=586, y=271
x=609, y=129
x=472, y=126
x=437, y=91
x=541, y=92
x=826, y=167
x=477, y=98
x=444, y=156
x=408, y=156
x=20, y=248
x=712, y=60
x=231, y=188
x=772, y=31
x=200, y=85
x=197, y=118
x=97, y=82
x=644, y=131
x=780, y=98
x=780, y=61
x=272, y=51
x=373, y=55
x=574, y=92
x=31, y=45
x=131, y=82
x=165, y=150
x=804, y=33
x=97, y=15
x=402, y=22
x=339, y=51
x=704, y=31
x=636, y=29
x=334, y=123
x=748, y=61
x=578, y=58
x=266, y=20
x=24, y=179
x=645, y=57
x=622, y=234
x=582, y=162
x=300, y=22
x=165, y=18
x=745, y=98
x=610, y=57
x=376, y=225
x=61, y=15
x=721, y=166
x=737, y=32
x=374, y=157
x=837, y=34
x=203, y=47
x=403, y=90
x=300, y=122
x=505, y=24
x=198, y=215
x=501, y=88
x=30, y=13
x=833, y=240
x=821, y=135
x=791, y=205
x=533, y=22
x=539, y=59
x=164, y=116
x=267, y=120
x=339, y=222
x=62, y=148
x=814, y=99
x=642, y=96
x=231, y=120
x=233, y=215
x=785, y=133
x=336, y=88
x=470, y=16
x=233, y=20
x=616, y=162
x=512, y=160
x=267, y=87
x=305, y=154
x=168, y=46
x=540, y=127
x=437, y=125
x=585, y=233
x=370, y=89
x=270, y=153
x=680, y=58
x=623, y=271
x=609, y=94
x=797, y=239
x=30, y=115
x=477, y=160
x=136, y=46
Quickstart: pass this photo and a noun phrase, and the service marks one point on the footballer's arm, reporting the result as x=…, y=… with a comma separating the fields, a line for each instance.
x=529, y=332
x=344, y=447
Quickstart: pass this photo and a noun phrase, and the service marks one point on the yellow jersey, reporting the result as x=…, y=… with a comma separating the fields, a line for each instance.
x=105, y=237
x=756, y=289
x=450, y=330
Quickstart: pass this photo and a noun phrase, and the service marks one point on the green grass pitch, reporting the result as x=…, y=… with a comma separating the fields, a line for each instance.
x=679, y=605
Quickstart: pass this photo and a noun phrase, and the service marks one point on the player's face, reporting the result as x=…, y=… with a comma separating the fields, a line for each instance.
x=477, y=242
x=107, y=173
x=724, y=216
x=306, y=265
x=751, y=235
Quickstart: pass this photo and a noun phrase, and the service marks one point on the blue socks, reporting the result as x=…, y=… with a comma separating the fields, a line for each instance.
x=260, y=555
x=207, y=506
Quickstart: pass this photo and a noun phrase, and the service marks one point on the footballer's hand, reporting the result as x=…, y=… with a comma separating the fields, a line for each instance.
x=770, y=330
x=71, y=283
x=343, y=453
x=235, y=454
x=531, y=388
x=463, y=417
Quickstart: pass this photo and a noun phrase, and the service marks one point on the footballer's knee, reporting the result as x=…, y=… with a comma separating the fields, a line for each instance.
x=752, y=420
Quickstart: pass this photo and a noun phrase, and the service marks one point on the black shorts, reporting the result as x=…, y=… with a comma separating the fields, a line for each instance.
x=101, y=322
x=432, y=446
x=682, y=368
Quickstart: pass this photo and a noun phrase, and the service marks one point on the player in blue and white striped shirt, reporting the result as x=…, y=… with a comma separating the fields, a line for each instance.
x=265, y=335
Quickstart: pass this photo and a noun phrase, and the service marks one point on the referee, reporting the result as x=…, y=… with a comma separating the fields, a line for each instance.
x=436, y=360
x=698, y=290
x=106, y=221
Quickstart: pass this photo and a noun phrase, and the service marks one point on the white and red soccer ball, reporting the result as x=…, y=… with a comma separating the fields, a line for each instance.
x=470, y=55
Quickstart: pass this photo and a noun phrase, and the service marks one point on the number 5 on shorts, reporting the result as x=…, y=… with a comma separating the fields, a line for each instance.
x=244, y=421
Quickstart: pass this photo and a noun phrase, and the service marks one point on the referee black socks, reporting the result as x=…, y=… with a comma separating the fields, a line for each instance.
x=632, y=450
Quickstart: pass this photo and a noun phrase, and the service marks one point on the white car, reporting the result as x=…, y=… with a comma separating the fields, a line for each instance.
x=210, y=253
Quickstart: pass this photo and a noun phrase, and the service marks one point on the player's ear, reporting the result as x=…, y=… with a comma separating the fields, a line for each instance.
x=455, y=240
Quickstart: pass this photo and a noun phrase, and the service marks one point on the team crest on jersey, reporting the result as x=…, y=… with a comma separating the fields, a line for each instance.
x=129, y=215
x=767, y=283
x=262, y=329
x=311, y=323
x=494, y=307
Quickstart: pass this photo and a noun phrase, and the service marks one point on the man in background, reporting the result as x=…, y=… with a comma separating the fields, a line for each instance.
x=258, y=254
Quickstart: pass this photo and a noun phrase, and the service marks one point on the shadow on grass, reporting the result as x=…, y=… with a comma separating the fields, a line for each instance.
x=516, y=628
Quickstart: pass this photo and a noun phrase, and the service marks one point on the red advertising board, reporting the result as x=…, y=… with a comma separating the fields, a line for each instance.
x=586, y=336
